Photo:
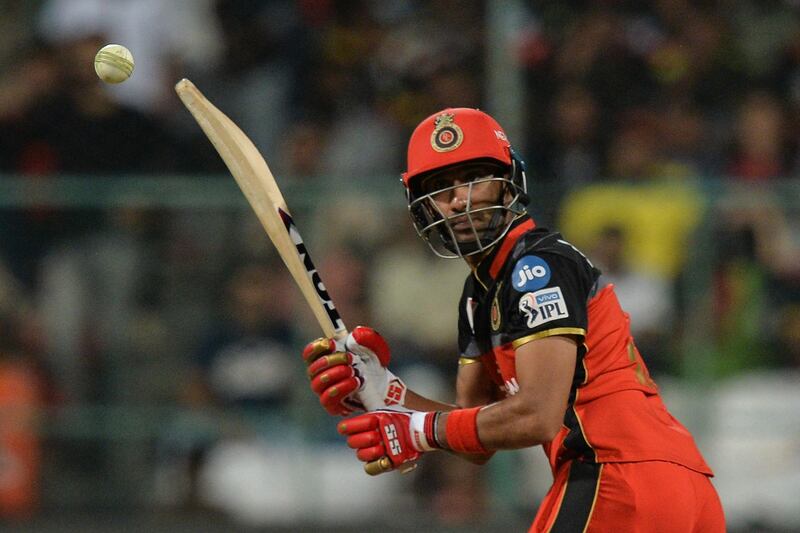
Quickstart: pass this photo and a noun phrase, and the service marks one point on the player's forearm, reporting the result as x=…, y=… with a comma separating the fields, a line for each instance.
x=505, y=425
x=420, y=403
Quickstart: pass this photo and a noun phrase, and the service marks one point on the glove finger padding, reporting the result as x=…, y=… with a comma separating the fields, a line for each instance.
x=373, y=453
x=357, y=424
x=333, y=398
x=332, y=377
x=365, y=440
x=364, y=436
x=329, y=361
x=320, y=347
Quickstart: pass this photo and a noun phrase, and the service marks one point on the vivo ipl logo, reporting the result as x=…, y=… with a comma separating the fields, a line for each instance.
x=530, y=273
x=543, y=306
x=322, y=292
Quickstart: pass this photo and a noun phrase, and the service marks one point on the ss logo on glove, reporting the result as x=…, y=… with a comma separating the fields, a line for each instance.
x=394, y=442
x=395, y=393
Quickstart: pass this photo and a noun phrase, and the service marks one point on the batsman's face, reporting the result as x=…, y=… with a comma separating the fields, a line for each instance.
x=466, y=188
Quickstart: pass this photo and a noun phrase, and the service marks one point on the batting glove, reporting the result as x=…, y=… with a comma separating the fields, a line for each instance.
x=390, y=439
x=350, y=374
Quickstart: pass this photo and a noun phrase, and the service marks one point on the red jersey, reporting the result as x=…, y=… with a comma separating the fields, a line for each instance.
x=534, y=285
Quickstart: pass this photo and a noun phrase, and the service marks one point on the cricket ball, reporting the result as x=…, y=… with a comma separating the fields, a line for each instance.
x=113, y=63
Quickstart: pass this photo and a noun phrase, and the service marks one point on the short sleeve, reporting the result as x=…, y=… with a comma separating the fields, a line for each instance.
x=544, y=294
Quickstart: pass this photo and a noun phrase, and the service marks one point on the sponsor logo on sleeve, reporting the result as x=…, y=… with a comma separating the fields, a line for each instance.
x=543, y=306
x=530, y=273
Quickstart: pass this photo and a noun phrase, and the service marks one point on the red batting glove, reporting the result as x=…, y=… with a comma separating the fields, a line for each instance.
x=344, y=372
x=388, y=440
x=333, y=378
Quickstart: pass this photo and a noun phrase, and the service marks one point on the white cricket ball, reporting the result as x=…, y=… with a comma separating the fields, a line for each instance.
x=113, y=63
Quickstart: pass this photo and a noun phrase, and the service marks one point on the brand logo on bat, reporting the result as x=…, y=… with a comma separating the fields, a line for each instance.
x=322, y=292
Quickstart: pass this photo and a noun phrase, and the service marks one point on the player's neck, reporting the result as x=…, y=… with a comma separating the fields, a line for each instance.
x=475, y=260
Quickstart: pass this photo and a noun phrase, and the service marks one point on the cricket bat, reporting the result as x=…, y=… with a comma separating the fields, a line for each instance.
x=254, y=177
x=258, y=184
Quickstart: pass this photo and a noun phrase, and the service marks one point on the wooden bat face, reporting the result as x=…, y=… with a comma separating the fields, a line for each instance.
x=261, y=190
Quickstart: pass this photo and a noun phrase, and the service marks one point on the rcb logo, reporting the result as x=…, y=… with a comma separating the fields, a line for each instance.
x=494, y=312
x=446, y=134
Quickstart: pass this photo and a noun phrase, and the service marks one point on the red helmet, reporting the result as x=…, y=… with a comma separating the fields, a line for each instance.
x=452, y=136
x=456, y=136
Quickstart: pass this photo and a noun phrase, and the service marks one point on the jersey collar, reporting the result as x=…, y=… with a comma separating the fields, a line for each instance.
x=489, y=267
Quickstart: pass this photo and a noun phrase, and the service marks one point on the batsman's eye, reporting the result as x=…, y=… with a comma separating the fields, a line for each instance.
x=435, y=183
x=476, y=175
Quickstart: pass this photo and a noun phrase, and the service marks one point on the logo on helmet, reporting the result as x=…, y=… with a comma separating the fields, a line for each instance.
x=446, y=134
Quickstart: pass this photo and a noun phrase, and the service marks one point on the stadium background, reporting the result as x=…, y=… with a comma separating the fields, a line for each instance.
x=661, y=138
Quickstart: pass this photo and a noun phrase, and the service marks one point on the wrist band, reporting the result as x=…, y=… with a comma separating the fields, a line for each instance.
x=435, y=429
x=461, y=430
x=431, y=424
x=421, y=425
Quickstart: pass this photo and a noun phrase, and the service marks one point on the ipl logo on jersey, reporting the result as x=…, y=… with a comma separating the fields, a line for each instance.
x=543, y=306
x=530, y=273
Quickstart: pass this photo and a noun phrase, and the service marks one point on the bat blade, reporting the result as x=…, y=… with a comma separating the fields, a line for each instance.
x=256, y=181
x=254, y=177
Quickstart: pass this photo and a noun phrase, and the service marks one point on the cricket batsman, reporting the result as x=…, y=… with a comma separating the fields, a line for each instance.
x=546, y=356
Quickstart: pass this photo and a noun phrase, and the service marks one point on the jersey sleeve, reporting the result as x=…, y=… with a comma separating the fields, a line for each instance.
x=545, y=294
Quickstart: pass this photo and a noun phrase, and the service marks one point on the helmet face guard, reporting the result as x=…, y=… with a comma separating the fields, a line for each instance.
x=480, y=227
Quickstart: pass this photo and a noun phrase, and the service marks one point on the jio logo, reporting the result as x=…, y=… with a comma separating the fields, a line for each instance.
x=530, y=273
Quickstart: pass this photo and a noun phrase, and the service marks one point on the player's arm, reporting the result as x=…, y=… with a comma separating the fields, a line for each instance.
x=534, y=415
x=388, y=440
x=473, y=389
x=473, y=386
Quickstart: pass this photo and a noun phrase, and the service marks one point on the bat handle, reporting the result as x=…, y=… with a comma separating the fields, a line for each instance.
x=379, y=466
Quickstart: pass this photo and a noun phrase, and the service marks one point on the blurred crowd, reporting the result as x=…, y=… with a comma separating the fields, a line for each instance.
x=660, y=137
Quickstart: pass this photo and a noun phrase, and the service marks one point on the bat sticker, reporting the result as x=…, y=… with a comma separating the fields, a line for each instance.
x=322, y=292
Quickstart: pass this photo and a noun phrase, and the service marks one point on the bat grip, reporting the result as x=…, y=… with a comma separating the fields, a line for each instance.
x=379, y=466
